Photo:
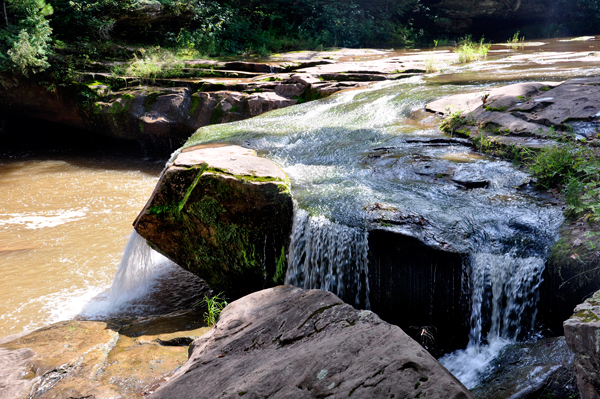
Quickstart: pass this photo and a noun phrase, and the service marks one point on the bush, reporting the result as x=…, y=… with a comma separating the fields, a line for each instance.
x=554, y=166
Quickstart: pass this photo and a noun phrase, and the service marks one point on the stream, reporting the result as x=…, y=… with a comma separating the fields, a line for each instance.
x=355, y=160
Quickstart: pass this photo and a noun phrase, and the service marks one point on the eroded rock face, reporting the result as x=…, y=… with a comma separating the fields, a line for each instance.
x=224, y=214
x=286, y=342
x=582, y=332
x=527, y=114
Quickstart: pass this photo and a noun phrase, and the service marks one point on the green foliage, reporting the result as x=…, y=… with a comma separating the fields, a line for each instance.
x=430, y=63
x=582, y=191
x=25, y=42
x=214, y=306
x=516, y=42
x=453, y=121
x=468, y=50
x=554, y=166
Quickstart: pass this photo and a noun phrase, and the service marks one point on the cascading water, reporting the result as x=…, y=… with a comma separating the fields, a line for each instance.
x=504, y=298
x=329, y=256
x=136, y=272
x=357, y=161
x=146, y=283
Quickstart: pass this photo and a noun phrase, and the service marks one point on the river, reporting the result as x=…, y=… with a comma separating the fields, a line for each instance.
x=66, y=217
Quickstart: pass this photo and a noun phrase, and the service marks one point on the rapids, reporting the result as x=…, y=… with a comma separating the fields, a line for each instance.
x=350, y=158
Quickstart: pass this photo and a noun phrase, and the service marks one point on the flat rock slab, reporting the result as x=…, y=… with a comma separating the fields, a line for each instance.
x=540, y=110
x=286, y=342
x=91, y=359
x=224, y=214
x=231, y=159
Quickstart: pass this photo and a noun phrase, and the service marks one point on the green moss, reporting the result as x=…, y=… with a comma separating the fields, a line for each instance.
x=587, y=316
x=207, y=210
x=546, y=88
x=252, y=178
x=493, y=109
x=161, y=210
x=195, y=101
x=191, y=187
x=217, y=114
x=150, y=100
x=127, y=96
x=116, y=108
x=281, y=268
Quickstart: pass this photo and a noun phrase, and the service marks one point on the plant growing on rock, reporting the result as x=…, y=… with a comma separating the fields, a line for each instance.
x=516, y=42
x=453, y=122
x=214, y=306
x=468, y=50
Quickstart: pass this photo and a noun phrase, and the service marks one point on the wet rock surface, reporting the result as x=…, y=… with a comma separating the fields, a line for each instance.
x=224, y=214
x=289, y=342
x=543, y=369
x=582, y=332
x=421, y=288
x=527, y=114
x=125, y=358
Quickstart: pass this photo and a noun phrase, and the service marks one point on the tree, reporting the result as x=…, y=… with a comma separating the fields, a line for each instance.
x=25, y=38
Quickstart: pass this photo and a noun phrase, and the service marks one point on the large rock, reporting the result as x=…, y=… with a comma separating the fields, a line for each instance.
x=286, y=342
x=224, y=214
x=582, y=332
x=530, y=114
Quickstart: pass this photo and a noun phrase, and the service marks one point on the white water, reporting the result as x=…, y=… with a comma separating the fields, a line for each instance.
x=137, y=272
x=504, y=298
x=329, y=256
x=146, y=283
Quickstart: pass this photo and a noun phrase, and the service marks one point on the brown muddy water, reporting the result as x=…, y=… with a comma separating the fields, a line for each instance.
x=63, y=225
x=66, y=208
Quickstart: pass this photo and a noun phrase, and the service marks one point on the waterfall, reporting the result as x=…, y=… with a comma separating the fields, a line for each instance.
x=137, y=272
x=504, y=298
x=329, y=256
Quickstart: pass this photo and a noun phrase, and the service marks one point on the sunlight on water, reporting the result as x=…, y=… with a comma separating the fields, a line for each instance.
x=63, y=227
x=353, y=159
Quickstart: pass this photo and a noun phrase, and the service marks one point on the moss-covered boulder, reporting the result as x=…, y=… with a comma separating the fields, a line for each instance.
x=224, y=214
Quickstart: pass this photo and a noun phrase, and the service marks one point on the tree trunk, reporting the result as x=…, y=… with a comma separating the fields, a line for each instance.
x=4, y=12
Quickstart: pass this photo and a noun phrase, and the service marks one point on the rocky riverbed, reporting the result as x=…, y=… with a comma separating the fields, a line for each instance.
x=512, y=116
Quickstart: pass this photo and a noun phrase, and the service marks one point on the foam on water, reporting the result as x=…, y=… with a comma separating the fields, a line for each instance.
x=38, y=220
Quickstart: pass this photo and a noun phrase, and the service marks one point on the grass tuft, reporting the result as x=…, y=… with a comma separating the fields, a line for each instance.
x=469, y=51
x=214, y=307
